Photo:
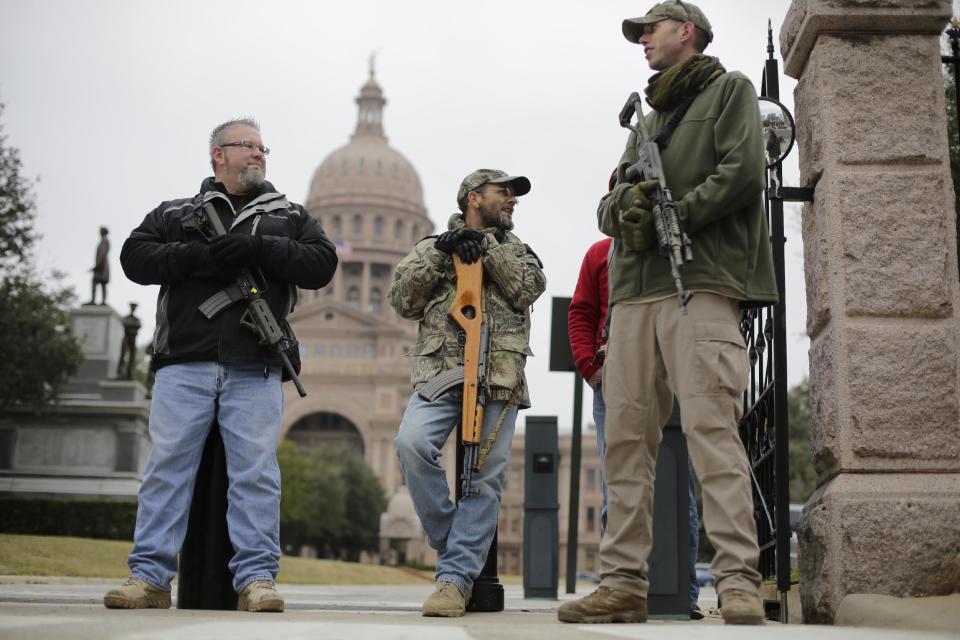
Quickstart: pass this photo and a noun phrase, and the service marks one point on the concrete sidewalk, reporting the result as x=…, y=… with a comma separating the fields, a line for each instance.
x=73, y=610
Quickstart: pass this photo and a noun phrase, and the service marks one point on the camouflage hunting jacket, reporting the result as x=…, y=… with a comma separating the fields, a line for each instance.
x=424, y=286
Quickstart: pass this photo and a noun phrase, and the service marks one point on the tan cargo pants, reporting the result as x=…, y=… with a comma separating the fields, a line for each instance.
x=653, y=353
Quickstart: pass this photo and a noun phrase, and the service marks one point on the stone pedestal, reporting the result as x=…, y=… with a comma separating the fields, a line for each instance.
x=93, y=443
x=882, y=300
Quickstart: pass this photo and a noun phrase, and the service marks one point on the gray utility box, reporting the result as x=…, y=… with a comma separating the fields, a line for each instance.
x=541, y=533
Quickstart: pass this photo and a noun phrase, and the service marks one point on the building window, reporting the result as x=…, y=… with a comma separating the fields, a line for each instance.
x=353, y=296
x=352, y=351
x=318, y=350
x=357, y=224
x=335, y=351
x=336, y=227
x=398, y=230
x=591, y=519
x=376, y=301
x=591, y=478
x=369, y=352
x=378, y=226
x=415, y=234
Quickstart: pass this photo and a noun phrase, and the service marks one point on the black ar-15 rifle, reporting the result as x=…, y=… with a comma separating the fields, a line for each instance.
x=258, y=317
x=673, y=242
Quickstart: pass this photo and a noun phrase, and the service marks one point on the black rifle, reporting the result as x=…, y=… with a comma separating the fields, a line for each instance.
x=672, y=240
x=258, y=317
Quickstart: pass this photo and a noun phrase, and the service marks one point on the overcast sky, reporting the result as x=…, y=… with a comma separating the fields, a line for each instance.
x=111, y=103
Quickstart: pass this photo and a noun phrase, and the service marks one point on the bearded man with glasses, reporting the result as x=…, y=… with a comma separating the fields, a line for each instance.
x=211, y=369
x=706, y=123
x=424, y=288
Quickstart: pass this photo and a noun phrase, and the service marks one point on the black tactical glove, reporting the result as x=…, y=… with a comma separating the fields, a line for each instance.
x=466, y=243
x=197, y=259
x=235, y=249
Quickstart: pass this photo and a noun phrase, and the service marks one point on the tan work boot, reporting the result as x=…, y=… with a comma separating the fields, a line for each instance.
x=260, y=595
x=741, y=607
x=446, y=602
x=137, y=594
x=604, y=605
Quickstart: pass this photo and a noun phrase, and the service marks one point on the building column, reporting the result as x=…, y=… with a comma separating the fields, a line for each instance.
x=882, y=300
x=339, y=294
x=365, y=287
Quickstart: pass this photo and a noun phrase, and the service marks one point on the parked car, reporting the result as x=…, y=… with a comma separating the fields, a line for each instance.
x=796, y=509
x=704, y=577
x=588, y=576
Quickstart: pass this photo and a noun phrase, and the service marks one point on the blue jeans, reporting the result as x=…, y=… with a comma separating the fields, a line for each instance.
x=187, y=398
x=599, y=414
x=461, y=533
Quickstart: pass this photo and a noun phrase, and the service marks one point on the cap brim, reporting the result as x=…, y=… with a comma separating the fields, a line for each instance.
x=633, y=27
x=521, y=186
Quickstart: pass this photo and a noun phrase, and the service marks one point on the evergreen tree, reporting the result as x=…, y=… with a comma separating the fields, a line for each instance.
x=38, y=352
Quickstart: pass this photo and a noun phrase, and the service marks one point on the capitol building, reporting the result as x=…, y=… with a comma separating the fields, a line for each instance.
x=369, y=200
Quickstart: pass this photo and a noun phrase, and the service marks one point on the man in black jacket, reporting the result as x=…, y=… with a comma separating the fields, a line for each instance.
x=210, y=368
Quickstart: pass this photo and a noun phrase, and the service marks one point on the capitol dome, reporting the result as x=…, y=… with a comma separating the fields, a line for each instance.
x=367, y=169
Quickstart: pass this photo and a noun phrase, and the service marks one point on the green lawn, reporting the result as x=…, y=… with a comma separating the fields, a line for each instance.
x=86, y=558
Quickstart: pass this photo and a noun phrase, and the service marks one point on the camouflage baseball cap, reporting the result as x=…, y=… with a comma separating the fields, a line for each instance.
x=671, y=9
x=480, y=177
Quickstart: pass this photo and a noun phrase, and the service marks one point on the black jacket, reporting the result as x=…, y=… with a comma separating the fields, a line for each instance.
x=295, y=253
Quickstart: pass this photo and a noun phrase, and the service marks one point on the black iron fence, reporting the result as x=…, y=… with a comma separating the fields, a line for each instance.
x=763, y=428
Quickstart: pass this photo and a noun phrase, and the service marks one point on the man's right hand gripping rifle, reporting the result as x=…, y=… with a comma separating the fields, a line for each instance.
x=465, y=245
x=229, y=257
x=648, y=214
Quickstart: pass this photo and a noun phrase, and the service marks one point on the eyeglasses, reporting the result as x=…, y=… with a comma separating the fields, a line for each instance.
x=506, y=191
x=250, y=146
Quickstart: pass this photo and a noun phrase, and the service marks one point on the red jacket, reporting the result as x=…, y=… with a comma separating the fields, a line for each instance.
x=588, y=309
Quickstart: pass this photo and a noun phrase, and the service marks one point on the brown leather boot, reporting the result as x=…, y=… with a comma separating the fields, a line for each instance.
x=741, y=607
x=604, y=605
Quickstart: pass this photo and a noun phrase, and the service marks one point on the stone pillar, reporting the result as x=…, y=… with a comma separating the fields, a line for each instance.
x=882, y=300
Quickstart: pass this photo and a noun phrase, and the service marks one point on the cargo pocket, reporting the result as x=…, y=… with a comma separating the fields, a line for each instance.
x=427, y=359
x=508, y=357
x=720, y=359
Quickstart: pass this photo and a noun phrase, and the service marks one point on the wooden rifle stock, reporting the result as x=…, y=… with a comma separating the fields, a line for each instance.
x=467, y=311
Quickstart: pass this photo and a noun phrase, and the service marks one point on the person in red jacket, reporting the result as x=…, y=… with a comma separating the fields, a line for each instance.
x=586, y=326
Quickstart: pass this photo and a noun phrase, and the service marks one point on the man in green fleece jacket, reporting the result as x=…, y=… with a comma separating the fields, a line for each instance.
x=707, y=125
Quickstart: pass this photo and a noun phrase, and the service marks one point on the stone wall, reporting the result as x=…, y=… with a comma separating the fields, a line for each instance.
x=882, y=300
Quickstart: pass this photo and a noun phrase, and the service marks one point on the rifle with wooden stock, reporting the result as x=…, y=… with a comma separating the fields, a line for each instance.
x=467, y=311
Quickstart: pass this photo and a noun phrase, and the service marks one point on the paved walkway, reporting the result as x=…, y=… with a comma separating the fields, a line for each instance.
x=73, y=610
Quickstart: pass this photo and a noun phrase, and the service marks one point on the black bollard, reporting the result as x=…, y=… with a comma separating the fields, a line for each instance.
x=205, y=581
x=487, y=593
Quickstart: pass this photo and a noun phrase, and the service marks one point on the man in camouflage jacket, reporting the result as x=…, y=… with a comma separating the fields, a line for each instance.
x=424, y=287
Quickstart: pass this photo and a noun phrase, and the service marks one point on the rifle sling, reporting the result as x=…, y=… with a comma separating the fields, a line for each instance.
x=663, y=138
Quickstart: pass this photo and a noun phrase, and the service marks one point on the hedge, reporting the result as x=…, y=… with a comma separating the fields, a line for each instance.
x=108, y=520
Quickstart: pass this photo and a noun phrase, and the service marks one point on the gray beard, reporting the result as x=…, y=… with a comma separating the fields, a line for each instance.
x=251, y=178
x=493, y=219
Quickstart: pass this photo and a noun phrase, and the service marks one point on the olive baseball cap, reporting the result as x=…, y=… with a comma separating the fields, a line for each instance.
x=671, y=9
x=480, y=177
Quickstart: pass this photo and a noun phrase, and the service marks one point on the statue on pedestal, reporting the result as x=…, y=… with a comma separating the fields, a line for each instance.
x=128, y=350
x=101, y=269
